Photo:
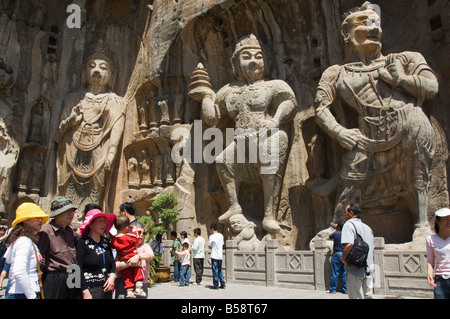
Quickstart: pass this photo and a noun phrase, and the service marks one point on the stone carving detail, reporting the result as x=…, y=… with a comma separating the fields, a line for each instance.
x=389, y=170
x=39, y=123
x=157, y=163
x=143, y=115
x=243, y=232
x=90, y=132
x=152, y=168
x=389, y=143
x=6, y=145
x=145, y=170
x=169, y=171
x=8, y=156
x=6, y=79
x=133, y=171
x=31, y=170
x=152, y=100
x=153, y=111
x=251, y=103
x=178, y=106
x=164, y=112
x=317, y=156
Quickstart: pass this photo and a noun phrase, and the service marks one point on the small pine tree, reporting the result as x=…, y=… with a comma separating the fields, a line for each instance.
x=164, y=205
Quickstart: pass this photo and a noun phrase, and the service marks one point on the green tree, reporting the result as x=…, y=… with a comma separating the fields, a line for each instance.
x=164, y=207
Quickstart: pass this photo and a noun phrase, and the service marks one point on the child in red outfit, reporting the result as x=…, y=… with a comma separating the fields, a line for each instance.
x=125, y=243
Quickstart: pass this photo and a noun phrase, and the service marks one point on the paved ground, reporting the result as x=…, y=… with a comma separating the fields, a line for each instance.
x=251, y=301
x=241, y=291
x=237, y=292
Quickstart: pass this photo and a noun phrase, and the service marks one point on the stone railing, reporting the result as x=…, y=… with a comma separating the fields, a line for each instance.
x=397, y=273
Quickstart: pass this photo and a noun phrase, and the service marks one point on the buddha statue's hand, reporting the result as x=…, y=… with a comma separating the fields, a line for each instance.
x=109, y=162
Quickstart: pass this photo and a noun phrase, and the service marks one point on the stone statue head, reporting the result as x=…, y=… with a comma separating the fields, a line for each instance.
x=237, y=223
x=361, y=30
x=248, y=59
x=99, y=68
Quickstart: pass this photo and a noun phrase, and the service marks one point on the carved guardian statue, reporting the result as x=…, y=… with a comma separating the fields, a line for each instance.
x=388, y=140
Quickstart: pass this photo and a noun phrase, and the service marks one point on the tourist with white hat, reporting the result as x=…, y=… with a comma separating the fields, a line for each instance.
x=23, y=254
x=438, y=255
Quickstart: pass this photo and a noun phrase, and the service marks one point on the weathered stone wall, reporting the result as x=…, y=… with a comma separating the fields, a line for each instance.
x=156, y=45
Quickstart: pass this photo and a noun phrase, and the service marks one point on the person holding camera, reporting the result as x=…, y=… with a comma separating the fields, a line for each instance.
x=337, y=266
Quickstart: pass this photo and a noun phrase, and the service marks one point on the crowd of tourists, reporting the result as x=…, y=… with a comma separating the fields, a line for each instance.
x=357, y=280
x=106, y=257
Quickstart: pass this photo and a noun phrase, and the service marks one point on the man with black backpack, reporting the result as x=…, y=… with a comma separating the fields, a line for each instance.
x=358, y=241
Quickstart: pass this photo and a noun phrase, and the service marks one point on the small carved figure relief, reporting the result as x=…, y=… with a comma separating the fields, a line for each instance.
x=6, y=145
x=178, y=106
x=145, y=170
x=9, y=149
x=143, y=116
x=164, y=112
x=151, y=107
x=157, y=165
x=243, y=232
x=9, y=152
x=39, y=123
x=394, y=138
x=168, y=166
x=317, y=156
x=37, y=174
x=133, y=172
x=24, y=170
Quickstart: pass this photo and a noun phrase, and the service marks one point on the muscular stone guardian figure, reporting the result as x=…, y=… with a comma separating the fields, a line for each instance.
x=250, y=103
x=389, y=144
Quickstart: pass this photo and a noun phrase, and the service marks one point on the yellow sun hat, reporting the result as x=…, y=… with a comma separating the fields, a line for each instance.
x=29, y=210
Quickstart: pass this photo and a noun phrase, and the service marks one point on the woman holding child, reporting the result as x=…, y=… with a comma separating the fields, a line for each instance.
x=94, y=256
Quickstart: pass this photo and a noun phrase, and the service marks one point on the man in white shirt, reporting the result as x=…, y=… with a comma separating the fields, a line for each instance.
x=198, y=249
x=359, y=280
x=215, y=243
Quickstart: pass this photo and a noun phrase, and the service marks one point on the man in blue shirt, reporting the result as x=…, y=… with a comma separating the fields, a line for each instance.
x=337, y=266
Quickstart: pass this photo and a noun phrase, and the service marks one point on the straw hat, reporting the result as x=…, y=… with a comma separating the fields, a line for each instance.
x=27, y=211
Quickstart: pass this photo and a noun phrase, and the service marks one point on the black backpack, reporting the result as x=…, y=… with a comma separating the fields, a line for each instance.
x=358, y=255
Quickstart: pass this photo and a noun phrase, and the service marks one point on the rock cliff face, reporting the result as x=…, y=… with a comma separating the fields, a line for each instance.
x=156, y=45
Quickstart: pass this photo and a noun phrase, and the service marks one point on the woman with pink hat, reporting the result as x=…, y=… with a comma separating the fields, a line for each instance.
x=23, y=254
x=438, y=255
x=94, y=256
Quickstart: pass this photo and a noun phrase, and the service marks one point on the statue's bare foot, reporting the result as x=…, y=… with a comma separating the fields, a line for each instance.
x=233, y=210
x=271, y=226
